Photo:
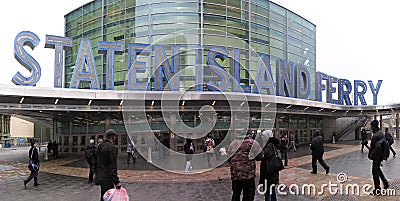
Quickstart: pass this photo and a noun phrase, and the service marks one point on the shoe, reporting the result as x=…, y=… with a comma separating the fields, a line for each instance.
x=36, y=184
x=327, y=171
x=285, y=165
x=313, y=172
x=25, y=184
x=386, y=185
x=90, y=182
x=186, y=171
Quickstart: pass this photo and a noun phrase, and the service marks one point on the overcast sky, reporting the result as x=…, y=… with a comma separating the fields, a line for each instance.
x=356, y=39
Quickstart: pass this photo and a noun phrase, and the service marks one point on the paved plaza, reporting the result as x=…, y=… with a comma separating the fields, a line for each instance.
x=66, y=178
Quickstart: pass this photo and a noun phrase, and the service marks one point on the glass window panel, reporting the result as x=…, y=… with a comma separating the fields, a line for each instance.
x=277, y=52
x=277, y=26
x=222, y=2
x=278, y=9
x=277, y=43
x=277, y=17
x=214, y=19
x=277, y=35
x=294, y=41
x=215, y=9
x=142, y=10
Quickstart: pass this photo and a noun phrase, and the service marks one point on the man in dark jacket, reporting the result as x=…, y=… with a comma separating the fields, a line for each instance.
x=90, y=155
x=389, y=139
x=34, y=157
x=106, y=164
x=317, y=152
x=377, y=158
x=243, y=165
x=269, y=179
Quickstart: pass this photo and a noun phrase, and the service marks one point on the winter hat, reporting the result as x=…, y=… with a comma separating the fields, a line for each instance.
x=268, y=133
x=375, y=123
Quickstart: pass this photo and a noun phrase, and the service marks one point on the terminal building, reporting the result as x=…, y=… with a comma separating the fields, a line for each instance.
x=235, y=34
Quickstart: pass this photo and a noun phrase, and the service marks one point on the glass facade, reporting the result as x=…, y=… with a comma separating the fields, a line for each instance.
x=254, y=27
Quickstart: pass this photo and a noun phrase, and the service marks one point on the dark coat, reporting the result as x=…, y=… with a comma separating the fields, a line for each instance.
x=35, y=155
x=106, y=163
x=92, y=149
x=188, y=153
x=317, y=147
x=268, y=153
x=378, y=134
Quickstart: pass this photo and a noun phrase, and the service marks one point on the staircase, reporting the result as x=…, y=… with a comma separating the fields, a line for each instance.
x=361, y=122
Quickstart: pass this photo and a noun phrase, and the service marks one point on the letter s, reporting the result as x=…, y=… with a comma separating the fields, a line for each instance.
x=26, y=60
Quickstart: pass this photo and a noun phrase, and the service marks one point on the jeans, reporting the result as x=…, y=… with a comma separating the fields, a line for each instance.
x=248, y=186
x=209, y=156
x=284, y=155
x=377, y=173
x=188, y=166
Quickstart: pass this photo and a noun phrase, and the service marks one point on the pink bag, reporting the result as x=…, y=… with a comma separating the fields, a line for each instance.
x=120, y=195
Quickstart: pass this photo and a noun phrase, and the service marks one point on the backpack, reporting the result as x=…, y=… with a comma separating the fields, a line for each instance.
x=89, y=154
x=389, y=138
x=381, y=148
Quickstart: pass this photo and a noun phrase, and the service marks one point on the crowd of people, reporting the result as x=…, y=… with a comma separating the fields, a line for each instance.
x=244, y=151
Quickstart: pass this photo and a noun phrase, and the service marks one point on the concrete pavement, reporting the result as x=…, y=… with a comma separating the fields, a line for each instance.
x=66, y=178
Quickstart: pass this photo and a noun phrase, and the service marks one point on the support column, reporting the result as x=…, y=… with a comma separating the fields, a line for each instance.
x=380, y=122
x=107, y=122
x=277, y=127
x=397, y=126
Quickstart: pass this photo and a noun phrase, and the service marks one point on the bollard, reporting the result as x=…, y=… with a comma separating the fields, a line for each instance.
x=149, y=155
x=46, y=157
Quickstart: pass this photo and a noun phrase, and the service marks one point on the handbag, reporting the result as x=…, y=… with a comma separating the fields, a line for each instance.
x=32, y=165
x=274, y=163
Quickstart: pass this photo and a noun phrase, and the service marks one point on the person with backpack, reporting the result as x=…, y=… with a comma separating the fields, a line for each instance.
x=90, y=155
x=268, y=179
x=364, y=140
x=244, y=152
x=189, y=150
x=389, y=139
x=377, y=153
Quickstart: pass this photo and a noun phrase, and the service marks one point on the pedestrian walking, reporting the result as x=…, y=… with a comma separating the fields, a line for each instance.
x=106, y=164
x=268, y=180
x=376, y=154
x=189, y=150
x=292, y=144
x=390, y=141
x=34, y=168
x=334, y=138
x=243, y=166
x=364, y=140
x=131, y=152
x=317, y=152
x=90, y=155
x=49, y=147
x=55, y=150
x=284, y=144
x=210, y=145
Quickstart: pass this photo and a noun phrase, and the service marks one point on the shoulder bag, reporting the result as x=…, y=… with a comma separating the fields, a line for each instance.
x=274, y=163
